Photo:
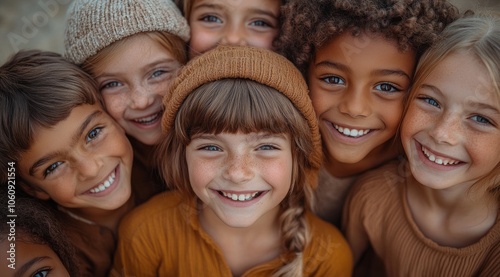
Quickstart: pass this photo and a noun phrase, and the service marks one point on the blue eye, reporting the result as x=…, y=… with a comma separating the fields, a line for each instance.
x=267, y=147
x=260, y=23
x=335, y=80
x=429, y=100
x=211, y=148
x=42, y=272
x=158, y=73
x=111, y=84
x=385, y=87
x=481, y=119
x=51, y=168
x=94, y=133
x=211, y=18
x=432, y=102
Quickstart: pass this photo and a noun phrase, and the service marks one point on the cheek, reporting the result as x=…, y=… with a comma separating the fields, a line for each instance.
x=201, y=40
x=265, y=41
x=412, y=123
x=392, y=113
x=115, y=105
x=319, y=102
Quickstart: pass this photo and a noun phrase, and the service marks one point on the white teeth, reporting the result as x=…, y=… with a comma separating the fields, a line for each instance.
x=239, y=197
x=351, y=132
x=105, y=185
x=149, y=119
x=438, y=160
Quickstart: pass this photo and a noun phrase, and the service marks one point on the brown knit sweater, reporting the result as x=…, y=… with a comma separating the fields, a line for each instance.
x=377, y=205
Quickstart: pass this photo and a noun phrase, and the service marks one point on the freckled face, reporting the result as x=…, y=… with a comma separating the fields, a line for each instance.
x=133, y=81
x=451, y=132
x=232, y=22
x=241, y=178
x=357, y=86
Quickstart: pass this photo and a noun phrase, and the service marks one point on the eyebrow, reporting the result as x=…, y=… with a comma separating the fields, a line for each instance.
x=387, y=72
x=345, y=68
x=221, y=7
x=28, y=265
x=153, y=64
x=75, y=137
x=254, y=137
x=334, y=65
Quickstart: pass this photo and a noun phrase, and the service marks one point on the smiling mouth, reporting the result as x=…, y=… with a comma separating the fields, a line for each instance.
x=438, y=159
x=148, y=120
x=354, y=133
x=105, y=185
x=240, y=197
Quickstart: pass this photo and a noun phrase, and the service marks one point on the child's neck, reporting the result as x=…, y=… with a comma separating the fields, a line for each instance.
x=244, y=247
x=451, y=217
x=375, y=158
x=106, y=218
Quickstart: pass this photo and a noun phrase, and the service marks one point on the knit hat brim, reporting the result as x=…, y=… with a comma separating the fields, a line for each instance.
x=92, y=25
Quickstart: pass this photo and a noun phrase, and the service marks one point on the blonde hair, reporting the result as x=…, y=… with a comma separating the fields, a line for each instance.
x=172, y=43
x=242, y=105
x=477, y=35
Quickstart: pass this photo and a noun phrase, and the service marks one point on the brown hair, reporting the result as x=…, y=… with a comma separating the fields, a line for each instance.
x=37, y=89
x=308, y=25
x=242, y=105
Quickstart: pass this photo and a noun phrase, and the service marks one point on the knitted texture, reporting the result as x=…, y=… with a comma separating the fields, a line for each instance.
x=91, y=25
x=257, y=64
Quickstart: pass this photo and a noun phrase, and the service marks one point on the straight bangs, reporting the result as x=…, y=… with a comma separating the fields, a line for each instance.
x=236, y=105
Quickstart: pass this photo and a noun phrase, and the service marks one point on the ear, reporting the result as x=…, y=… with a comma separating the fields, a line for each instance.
x=34, y=191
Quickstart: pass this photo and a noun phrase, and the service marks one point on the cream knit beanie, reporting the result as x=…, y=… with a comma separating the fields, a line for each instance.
x=91, y=25
x=257, y=64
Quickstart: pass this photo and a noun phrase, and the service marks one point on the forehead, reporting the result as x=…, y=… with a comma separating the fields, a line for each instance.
x=272, y=5
x=472, y=83
x=367, y=50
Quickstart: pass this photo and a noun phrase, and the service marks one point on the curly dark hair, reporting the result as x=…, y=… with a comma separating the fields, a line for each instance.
x=307, y=25
x=37, y=222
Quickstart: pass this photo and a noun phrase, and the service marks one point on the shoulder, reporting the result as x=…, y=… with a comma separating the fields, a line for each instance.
x=153, y=214
x=382, y=181
x=328, y=251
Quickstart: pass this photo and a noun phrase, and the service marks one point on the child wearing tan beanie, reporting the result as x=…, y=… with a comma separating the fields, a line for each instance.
x=133, y=49
x=242, y=149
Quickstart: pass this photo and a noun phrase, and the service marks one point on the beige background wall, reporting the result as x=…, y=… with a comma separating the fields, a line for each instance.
x=29, y=24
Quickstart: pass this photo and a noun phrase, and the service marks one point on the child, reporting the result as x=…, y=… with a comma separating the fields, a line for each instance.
x=240, y=22
x=32, y=240
x=67, y=149
x=440, y=217
x=358, y=58
x=133, y=49
x=242, y=149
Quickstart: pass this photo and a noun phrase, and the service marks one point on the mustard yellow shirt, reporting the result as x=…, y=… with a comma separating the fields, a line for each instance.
x=163, y=237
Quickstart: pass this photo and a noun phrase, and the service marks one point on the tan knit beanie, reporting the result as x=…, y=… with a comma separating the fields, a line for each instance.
x=91, y=25
x=257, y=64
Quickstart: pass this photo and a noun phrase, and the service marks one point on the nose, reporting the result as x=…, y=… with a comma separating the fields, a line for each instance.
x=239, y=169
x=447, y=129
x=355, y=103
x=234, y=35
x=89, y=165
x=141, y=97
